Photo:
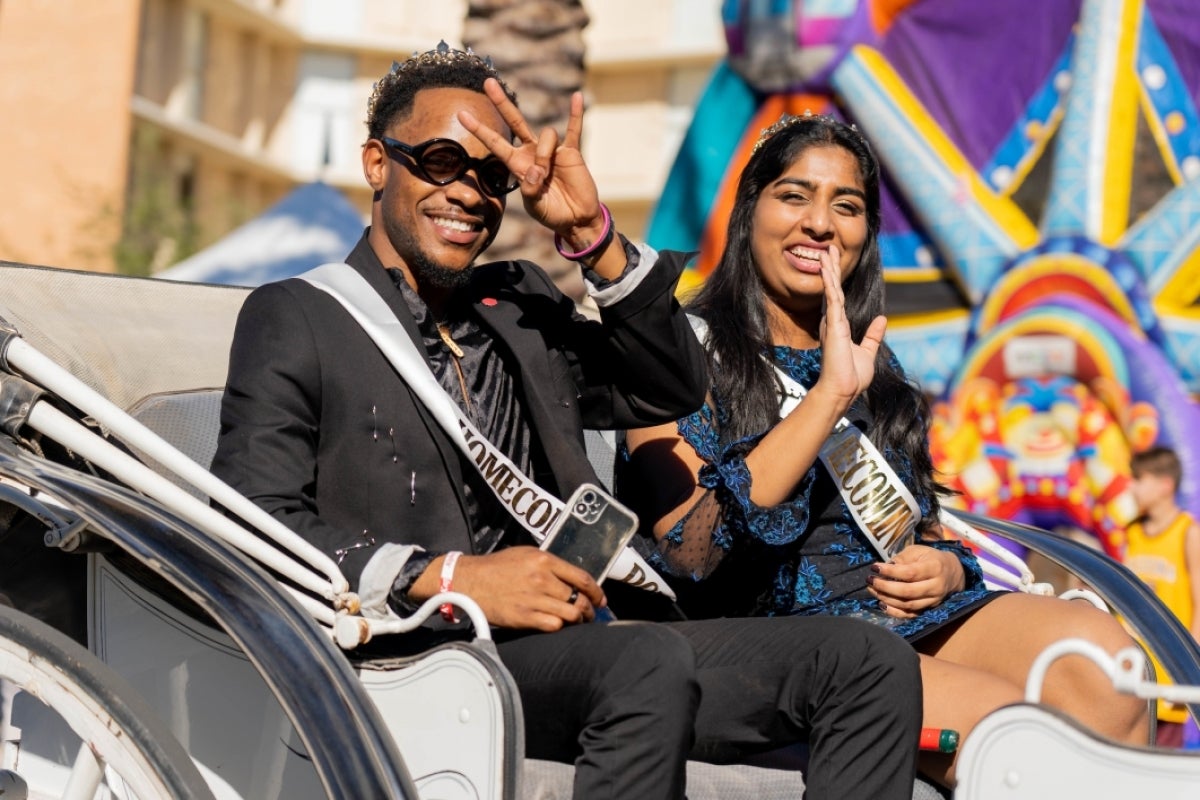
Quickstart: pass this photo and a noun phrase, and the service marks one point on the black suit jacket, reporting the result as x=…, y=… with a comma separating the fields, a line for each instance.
x=319, y=430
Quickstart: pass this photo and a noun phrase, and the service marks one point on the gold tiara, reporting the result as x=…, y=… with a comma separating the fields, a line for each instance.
x=441, y=56
x=788, y=120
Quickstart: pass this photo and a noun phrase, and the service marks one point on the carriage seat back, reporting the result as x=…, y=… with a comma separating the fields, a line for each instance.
x=190, y=421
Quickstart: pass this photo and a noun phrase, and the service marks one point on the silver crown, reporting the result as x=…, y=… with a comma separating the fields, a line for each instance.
x=442, y=55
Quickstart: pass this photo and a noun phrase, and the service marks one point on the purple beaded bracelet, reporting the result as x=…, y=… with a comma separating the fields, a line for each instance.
x=595, y=246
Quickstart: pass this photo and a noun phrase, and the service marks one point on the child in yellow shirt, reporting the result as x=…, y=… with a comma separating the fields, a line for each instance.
x=1163, y=549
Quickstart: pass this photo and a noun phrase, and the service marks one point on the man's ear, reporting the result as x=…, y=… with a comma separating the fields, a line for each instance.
x=375, y=164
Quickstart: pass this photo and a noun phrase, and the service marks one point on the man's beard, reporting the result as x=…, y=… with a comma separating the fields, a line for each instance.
x=427, y=271
x=430, y=273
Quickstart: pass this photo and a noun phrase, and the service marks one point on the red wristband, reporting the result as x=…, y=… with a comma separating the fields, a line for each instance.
x=446, y=583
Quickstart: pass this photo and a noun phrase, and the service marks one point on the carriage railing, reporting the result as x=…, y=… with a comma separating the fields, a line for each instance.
x=314, y=574
x=1126, y=669
x=1004, y=570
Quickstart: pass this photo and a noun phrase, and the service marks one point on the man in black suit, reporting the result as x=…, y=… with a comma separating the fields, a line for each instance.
x=320, y=430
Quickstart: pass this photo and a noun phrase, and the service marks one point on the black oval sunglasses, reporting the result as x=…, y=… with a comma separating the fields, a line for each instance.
x=443, y=161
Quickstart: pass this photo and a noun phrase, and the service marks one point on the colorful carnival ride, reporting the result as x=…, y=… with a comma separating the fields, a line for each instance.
x=1041, y=221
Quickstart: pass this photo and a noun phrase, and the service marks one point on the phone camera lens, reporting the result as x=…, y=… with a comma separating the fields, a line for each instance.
x=581, y=508
x=588, y=497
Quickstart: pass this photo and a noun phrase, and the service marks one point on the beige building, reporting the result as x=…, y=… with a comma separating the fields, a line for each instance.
x=136, y=131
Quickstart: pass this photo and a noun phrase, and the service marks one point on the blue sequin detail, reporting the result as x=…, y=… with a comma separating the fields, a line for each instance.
x=818, y=557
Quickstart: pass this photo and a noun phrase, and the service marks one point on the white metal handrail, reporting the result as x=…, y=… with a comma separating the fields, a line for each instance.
x=49, y=375
x=1021, y=577
x=351, y=631
x=294, y=558
x=51, y=422
x=1126, y=670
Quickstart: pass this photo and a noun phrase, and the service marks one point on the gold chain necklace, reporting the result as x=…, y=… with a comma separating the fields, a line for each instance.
x=444, y=332
x=457, y=352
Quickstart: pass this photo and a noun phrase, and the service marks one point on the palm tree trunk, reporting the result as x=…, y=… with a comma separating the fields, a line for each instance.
x=537, y=45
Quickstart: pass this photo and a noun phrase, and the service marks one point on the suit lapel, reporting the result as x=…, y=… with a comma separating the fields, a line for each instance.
x=367, y=264
x=364, y=261
x=498, y=307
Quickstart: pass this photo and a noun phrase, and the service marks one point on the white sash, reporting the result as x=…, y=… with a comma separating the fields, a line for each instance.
x=880, y=503
x=531, y=505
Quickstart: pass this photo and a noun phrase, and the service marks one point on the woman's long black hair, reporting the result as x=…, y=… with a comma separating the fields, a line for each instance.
x=731, y=302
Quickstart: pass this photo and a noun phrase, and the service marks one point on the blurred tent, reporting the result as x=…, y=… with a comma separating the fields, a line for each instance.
x=313, y=225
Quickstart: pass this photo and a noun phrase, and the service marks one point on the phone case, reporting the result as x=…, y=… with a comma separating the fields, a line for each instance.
x=592, y=531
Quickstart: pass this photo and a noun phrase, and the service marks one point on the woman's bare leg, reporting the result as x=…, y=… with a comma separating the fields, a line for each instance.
x=982, y=663
x=958, y=697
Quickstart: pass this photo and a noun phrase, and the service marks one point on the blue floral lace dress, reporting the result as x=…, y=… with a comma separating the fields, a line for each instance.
x=730, y=557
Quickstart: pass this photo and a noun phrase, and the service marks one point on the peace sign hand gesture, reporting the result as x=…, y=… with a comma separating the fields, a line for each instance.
x=556, y=185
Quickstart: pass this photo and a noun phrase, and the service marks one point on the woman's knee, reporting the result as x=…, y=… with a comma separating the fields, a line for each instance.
x=1081, y=687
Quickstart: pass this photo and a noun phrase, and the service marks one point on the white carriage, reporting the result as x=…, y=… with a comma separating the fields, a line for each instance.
x=152, y=648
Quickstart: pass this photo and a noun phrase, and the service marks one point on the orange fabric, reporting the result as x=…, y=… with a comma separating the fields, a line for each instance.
x=884, y=13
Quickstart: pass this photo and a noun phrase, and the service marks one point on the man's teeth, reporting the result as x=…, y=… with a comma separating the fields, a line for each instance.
x=804, y=252
x=454, y=224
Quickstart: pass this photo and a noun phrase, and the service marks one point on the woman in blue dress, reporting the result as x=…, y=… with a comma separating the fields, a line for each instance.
x=746, y=517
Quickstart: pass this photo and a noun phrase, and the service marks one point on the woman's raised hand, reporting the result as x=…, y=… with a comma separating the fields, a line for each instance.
x=555, y=183
x=847, y=368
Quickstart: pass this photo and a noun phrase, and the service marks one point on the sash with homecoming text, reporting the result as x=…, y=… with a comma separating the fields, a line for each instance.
x=530, y=505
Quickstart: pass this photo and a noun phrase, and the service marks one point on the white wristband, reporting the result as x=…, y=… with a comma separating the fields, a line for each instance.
x=446, y=583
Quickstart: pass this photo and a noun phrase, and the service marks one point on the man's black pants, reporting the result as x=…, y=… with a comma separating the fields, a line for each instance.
x=629, y=702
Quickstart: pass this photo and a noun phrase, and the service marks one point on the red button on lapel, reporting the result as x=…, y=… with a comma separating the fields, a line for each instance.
x=489, y=301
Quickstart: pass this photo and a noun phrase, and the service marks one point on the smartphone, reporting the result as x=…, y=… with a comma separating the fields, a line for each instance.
x=592, y=531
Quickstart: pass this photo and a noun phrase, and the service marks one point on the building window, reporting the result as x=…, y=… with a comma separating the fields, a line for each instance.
x=326, y=113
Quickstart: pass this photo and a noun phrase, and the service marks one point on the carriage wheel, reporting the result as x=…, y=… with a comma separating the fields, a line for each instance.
x=126, y=746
